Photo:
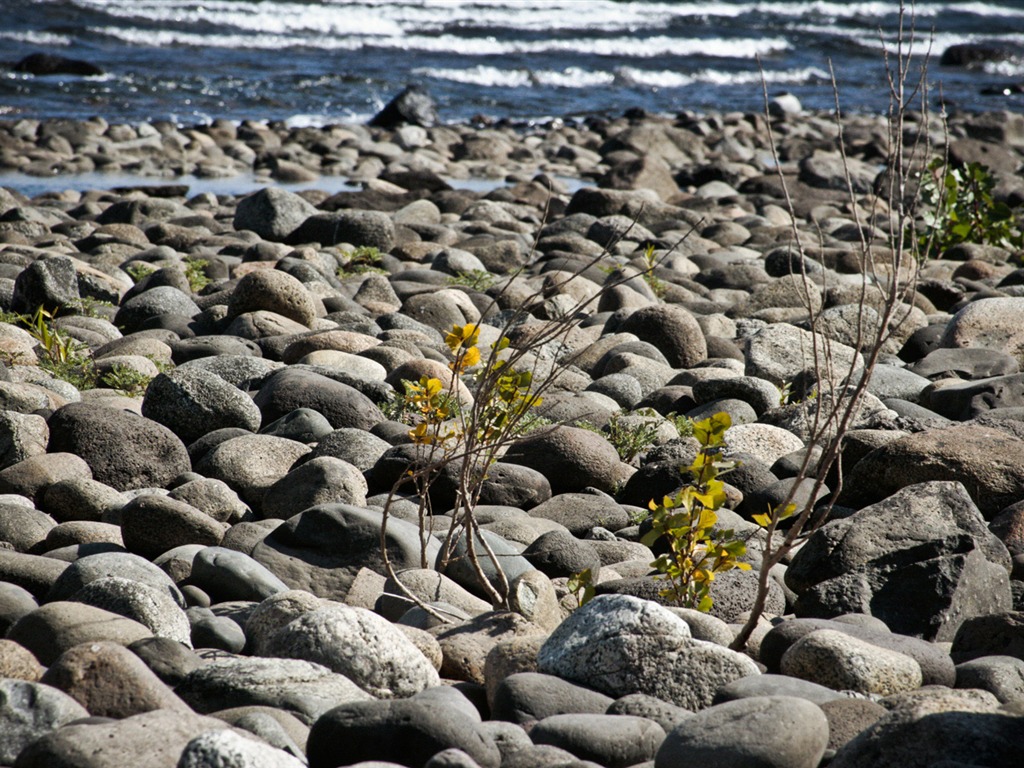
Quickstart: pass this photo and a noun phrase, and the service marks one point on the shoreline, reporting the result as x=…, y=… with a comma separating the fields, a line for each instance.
x=37, y=153
x=199, y=448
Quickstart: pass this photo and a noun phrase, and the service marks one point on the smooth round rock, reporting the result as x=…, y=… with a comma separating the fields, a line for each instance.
x=843, y=662
x=760, y=732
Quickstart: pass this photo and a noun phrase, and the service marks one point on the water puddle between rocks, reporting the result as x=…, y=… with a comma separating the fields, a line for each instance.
x=31, y=186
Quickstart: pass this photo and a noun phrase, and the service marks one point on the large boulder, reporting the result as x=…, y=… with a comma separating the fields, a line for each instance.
x=929, y=733
x=146, y=740
x=272, y=213
x=988, y=462
x=412, y=106
x=124, y=450
x=251, y=464
x=618, y=644
x=404, y=732
x=570, y=458
x=192, y=402
x=271, y=290
x=322, y=548
x=357, y=643
x=922, y=560
x=29, y=711
x=762, y=731
x=670, y=328
x=342, y=405
x=996, y=323
x=302, y=688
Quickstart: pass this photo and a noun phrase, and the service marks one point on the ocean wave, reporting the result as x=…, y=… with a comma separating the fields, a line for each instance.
x=675, y=79
x=626, y=47
x=575, y=77
x=493, y=77
x=33, y=37
x=393, y=17
x=262, y=17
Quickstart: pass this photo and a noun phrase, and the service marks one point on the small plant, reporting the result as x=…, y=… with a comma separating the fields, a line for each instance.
x=126, y=380
x=195, y=274
x=683, y=425
x=697, y=552
x=658, y=286
x=139, y=271
x=630, y=436
x=364, y=259
x=470, y=436
x=90, y=307
x=581, y=586
x=958, y=207
x=474, y=279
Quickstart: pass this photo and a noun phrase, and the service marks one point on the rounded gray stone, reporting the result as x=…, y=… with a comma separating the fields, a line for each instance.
x=225, y=749
x=359, y=644
x=760, y=732
x=842, y=662
x=148, y=605
x=192, y=402
x=302, y=688
x=620, y=644
x=29, y=711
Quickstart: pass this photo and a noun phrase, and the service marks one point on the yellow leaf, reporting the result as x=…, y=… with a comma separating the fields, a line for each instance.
x=763, y=520
x=462, y=336
x=743, y=566
x=707, y=519
x=471, y=357
x=431, y=387
x=419, y=434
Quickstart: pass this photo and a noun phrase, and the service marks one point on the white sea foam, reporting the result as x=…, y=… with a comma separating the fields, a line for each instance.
x=675, y=79
x=493, y=77
x=624, y=47
x=32, y=37
x=574, y=77
x=392, y=16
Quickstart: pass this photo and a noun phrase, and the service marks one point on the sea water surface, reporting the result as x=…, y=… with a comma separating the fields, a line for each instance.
x=190, y=61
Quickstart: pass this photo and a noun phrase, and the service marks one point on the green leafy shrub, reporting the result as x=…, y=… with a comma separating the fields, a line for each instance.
x=686, y=524
x=581, y=586
x=474, y=279
x=472, y=437
x=958, y=207
x=360, y=261
x=139, y=270
x=195, y=273
x=655, y=283
x=126, y=380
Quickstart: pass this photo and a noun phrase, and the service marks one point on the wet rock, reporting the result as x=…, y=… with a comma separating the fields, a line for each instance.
x=412, y=106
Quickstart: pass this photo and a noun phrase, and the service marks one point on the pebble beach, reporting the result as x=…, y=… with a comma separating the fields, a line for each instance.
x=191, y=572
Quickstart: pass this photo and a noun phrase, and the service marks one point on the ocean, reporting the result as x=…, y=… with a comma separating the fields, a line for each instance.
x=312, y=63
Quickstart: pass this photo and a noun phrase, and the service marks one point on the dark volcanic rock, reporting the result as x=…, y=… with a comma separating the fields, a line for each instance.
x=123, y=450
x=413, y=106
x=51, y=64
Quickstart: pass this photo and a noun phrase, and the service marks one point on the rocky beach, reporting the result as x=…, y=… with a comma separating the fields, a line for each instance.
x=201, y=429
